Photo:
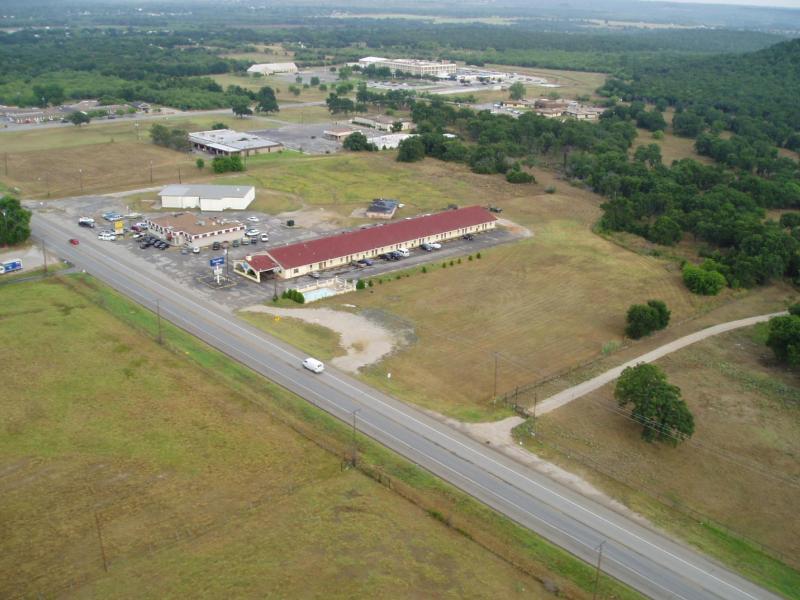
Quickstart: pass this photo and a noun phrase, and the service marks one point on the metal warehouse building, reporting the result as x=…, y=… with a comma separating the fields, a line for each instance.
x=227, y=142
x=207, y=197
x=339, y=250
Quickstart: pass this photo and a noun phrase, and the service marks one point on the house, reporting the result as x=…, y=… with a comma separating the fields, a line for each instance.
x=339, y=250
x=381, y=208
x=272, y=68
x=193, y=230
x=583, y=113
x=207, y=197
x=227, y=142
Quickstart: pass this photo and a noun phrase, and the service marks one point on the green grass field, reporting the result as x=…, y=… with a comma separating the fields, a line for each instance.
x=205, y=486
x=190, y=482
x=740, y=468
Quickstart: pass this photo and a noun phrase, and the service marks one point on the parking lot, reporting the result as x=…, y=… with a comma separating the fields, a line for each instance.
x=309, y=138
x=193, y=271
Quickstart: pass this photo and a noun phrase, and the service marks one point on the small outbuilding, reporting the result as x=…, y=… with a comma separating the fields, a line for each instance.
x=211, y=198
x=382, y=208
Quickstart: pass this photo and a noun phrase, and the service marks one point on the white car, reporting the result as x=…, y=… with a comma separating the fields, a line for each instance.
x=264, y=237
x=106, y=237
x=312, y=364
x=252, y=233
x=253, y=219
x=195, y=250
x=435, y=245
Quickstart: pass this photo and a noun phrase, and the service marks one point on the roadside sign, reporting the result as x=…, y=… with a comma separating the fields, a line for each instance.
x=217, y=261
x=119, y=227
x=11, y=265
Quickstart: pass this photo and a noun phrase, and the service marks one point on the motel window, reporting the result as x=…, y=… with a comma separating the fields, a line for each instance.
x=296, y=271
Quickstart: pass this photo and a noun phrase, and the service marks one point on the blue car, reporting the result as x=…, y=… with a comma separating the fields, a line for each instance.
x=366, y=262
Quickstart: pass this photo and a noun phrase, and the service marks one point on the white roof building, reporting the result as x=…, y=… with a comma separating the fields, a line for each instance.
x=271, y=68
x=410, y=65
x=207, y=197
x=389, y=141
x=229, y=142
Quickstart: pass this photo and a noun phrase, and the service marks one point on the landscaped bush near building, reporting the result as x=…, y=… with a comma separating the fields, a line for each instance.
x=225, y=164
x=292, y=294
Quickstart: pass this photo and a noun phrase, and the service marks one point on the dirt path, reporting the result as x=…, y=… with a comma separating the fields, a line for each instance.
x=364, y=341
x=566, y=396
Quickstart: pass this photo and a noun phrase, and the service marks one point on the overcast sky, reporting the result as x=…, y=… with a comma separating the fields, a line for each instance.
x=783, y=3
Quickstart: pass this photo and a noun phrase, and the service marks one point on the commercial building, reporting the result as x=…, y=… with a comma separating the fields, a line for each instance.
x=227, y=142
x=422, y=68
x=583, y=113
x=207, y=197
x=294, y=260
x=192, y=230
x=272, y=68
x=382, y=122
x=337, y=135
x=388, y=141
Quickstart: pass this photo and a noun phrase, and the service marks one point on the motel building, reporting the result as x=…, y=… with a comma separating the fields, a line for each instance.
x=302, y=258
x=193, y=230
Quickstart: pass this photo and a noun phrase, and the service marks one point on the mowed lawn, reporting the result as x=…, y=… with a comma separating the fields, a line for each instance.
x=194, y=490
x=572, y=83
x=740, y=468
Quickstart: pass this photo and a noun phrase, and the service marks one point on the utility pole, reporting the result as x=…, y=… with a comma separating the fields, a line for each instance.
x=535, y=400
x=179, y=175
x=6, y=161
x=158, y=315
x=494, y=395
x=151, y=171
x=44, y=255
x=100, y=539
x=597, y=573
x=355, y=447
x=80, y=177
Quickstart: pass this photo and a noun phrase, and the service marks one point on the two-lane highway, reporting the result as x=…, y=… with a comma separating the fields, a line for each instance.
x=644, y=559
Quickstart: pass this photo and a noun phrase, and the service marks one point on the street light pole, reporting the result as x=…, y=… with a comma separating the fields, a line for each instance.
x=80, y=177
x=151, y=171
x=158, y=315
x=494, y=395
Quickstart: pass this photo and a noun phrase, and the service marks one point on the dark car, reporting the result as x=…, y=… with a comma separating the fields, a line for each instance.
x=365, y=262
x=426, y=247
x=469, y=236
x=215, y=246
x=395, y=256
x=163, y=246
x=144, y=245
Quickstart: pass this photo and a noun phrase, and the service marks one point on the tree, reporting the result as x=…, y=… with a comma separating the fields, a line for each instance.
x=175, y=138
x=665, y=231
x=411, y=150
x=15, y=224
x=397, y=126
x=516, y=91
x=517, y=175
x=241, y=106
x=200, y=163
x=224, y=164
x=217, y=126
x=266, y=101
x=314, y=81
x=644, y=319
x=78, y=118
x=703, y=281
x=51, y=93
x=358, y=142
x=784, y=338
x=657, y=404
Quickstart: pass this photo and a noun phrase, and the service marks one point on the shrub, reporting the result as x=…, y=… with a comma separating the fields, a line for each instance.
x=519, y=176
x=703, y=281
x=452, y=263
x=658, y=134
x=790, y=220
x=784, y=339
x=371, y=283
x=424, y=269
x=200, y=163
x=469, y=257
x=444, y=265
x=644, y=319
x=292, y=294
x=360, y=285
x=478, y=255
x=550, y=189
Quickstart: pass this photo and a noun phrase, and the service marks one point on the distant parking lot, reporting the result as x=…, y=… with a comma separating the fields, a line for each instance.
x=309, y=138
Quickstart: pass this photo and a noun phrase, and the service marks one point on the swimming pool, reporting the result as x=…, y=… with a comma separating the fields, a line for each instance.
x=319, y=294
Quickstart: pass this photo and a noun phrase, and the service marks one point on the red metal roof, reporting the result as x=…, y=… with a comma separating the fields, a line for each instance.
x=379, y=236
x=261, y=262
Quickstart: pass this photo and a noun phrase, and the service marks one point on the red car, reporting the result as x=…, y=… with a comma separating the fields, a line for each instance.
x=74, y=242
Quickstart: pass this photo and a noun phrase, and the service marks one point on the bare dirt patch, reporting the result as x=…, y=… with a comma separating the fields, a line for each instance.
x=364, y=341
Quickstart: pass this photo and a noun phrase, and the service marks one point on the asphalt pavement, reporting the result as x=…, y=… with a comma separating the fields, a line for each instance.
x=646, y=560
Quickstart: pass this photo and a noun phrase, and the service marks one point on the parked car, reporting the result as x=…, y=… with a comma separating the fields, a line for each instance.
x=468, y=236
x=74, y=241
x=253, y=219
x=314, y=275
x=144, y=245
x=402, y=252
x=312, y=364
x=106, y=237
x=236, y=244
x=366, y=262
x=215, y=246
x=252, y=232
x=264, y=237
x=195, y=250
x=245, y=241
x=136, y=236
x=163, y=246
x=426, y=247
x=495, y=209
x=184, y=250
x=395, y=256
x=435, y=246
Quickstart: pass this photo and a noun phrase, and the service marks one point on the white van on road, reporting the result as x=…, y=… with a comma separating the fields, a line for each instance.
x=312, y=364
